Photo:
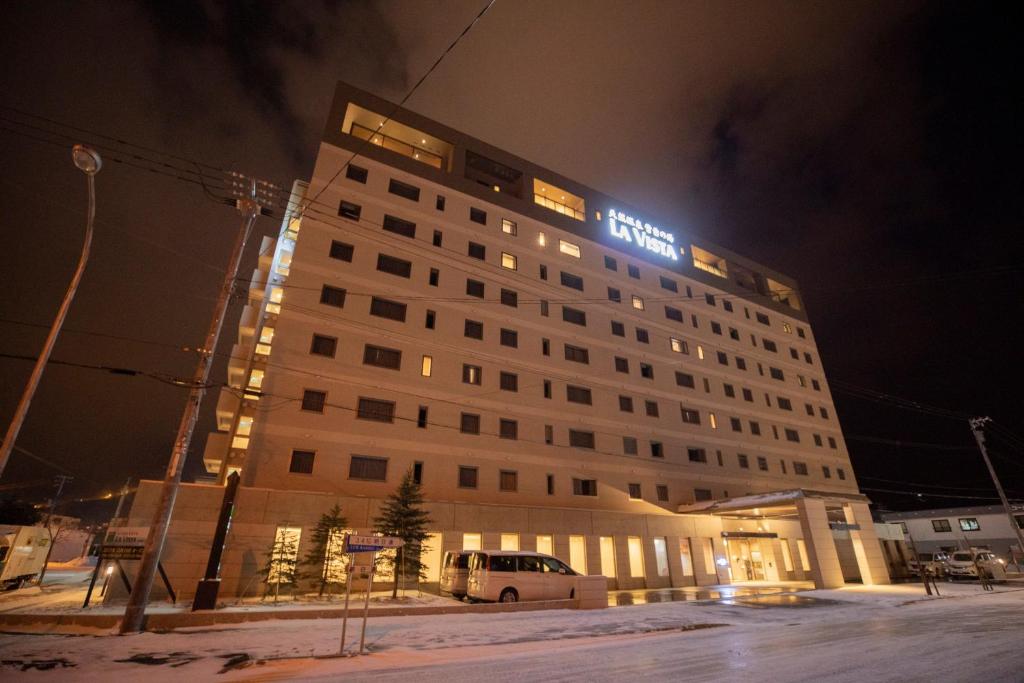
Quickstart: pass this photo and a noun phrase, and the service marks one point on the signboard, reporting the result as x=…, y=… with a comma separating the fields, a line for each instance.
x=370, y=544
x=124, y=543
x=749, y=534
x=644, y=235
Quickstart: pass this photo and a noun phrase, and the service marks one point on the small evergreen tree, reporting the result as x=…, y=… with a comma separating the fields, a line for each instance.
x=325, y=552
x=282, y=561
x=403, y=517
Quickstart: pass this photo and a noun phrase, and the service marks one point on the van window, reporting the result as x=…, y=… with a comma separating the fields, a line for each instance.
x=503, y=563
x=478, y=561
x=529, y=563
x=551, y=565
x=462, y=561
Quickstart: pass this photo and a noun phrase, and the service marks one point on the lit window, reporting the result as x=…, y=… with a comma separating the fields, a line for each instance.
x=700, y=352
x=508, y=227
x=569, y=248
x=541, y=239
x=712, y=421
x=256, y=379
x=558, y=200
x=638, y=303
x=276, y=295
x=678, y=345
x=508, y=261
x=427, y=366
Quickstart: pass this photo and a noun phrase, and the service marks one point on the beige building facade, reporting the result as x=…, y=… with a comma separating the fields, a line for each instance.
x=558, y=370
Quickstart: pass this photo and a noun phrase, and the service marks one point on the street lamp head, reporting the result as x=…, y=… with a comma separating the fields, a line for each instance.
x=86, y=159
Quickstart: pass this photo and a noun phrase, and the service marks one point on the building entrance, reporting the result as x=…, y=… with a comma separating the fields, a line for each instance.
x=746, y=560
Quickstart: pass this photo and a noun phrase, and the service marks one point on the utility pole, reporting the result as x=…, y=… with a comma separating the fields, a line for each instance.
x=251, y=197
x=61, y=480
x=120, y=500
x=978, y=427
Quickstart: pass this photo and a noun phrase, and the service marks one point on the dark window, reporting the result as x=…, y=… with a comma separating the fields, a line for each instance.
x=618, y=329
x=762, y=318
x=584, y=487
x=545, y=347
x=509, y=298
x=684, y=379
x=365, y=467
x=376, y=410
x=776, y=374
x=395, y=266
x=475, y=288
x=629, y=445
x=729, y=390
x=438, y=237
x=577, y=354
x=614, y=295
x=782, y=464
x=651, y=407
x=734, y=333
x=817, y=439
x=421, y=418
x=673, y=314
x=323, y=346
x=382, y=308
x=701, y=494
x=621, y=364
x=314, y=400
x=551, y=484
x=710, y=299
x=792, y=435
x=744, y=461
x=727, y=305
x=634, y=271
x=634, y=491
x=794, y=354
x=800, y=468
x=332, y=296
x=832, y=442
x=439, y=203
x=581, y=439
x=626, y=404
x=610, y=263
x=478, y=216
x=549, y=434
x=826, y=472
x=430, y=320
x=807, y=357
x=469, y=423
x=575, y=394
x=574, y=316
x=474, y=329
x=543, y=272
x=349, y=210
x=661, y=491
x=356, y=173
x=547, y=388
x=509, y=381
x=769, y=345
x=755, y=428
x=510, y=338
x=823, y=412
x=642, y=336
x=544, y=308
x=399, y=226
x=809, y=408
x=467, y=477
x=716, y=328
x=736, y=425
x=748, y=395
x=341, y=251
x=508, y=480
x=647, y=371
x=784, y=403
x=382, y=357
x=842, y=475
x=697, y=454
x=472, y=374
x=800, y=333
x=435, y=277
x=690, y=416
x=762, y=463
x=668, y=284
x=815, y=385
x=723, y=359
x=572, y=281
x=417, y=472
x=302, y=462
x=941, y=525
x=404, y=190
x=508, y=429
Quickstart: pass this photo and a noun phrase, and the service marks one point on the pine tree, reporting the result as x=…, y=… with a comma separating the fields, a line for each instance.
x=325, y=552
x=282, y=560
x=403, y=517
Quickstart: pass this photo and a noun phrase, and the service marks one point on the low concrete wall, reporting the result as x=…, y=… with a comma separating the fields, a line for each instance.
x=591, y=592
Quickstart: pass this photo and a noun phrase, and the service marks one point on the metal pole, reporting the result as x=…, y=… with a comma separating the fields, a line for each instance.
x=348, y=592
x=61, y=480
x=79, y=152
x=920, y=566
x=366, y=607
x=977, y=426
x=134, y=613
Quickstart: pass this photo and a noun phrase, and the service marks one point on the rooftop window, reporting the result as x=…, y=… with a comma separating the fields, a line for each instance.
x=558, y=200
x=495, y=175
x=397, y=137
x=708, y=262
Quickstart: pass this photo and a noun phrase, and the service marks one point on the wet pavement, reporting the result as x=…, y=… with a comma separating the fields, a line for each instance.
x=730, y=594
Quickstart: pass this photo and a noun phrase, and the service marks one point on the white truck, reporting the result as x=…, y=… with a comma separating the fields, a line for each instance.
x=22, y=553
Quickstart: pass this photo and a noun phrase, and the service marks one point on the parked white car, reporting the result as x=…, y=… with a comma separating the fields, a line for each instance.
x=933, y=563
x=455, y=573
x=968, y=564
x=511, y=576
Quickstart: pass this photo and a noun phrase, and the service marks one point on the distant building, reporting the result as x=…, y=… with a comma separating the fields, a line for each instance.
x=985, y=526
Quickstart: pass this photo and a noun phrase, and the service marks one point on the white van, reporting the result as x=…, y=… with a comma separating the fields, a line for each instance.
x=455, y=573
x=511, y=576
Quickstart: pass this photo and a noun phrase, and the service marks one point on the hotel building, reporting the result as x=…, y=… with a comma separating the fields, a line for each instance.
x=561, y=371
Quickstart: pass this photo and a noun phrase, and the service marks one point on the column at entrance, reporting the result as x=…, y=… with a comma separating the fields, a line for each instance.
x=866, y=546
x=821, y=549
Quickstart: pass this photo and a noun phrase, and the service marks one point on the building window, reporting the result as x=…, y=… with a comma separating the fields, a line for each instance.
x=509, y=227
x=743, y=460
x=472, y=374
x=332, y=296
x=776, y=374
x=574, y=316
x=551, y=488
x=697, y=455
x=729, y=390
x=439, y=203
x=614, y=295
x=544, y=308
x=832, y=442
x=477, y=251
x=467, y=477
x=542, y=240
x=723, y=358
x=427, y=366
x=618, y=329
x=375, y=410
x=392, y=310
x=510, y=338
x=635, y=492
x=571, y=281
x=642, y=336
x=817, y=439
x=394, y=266
x=638, y=302
x=577, y=354
x=575, y=394
x=405, y=190
x=584, y=487
x=748, y=395
x=941, y=525
x=474, y=329
x=634, y=271
x=792, y=435
x=475, y=288
x=651, y=408
x=431, y=319
x=678, y=345
x=969, y=524
x=702, y=495
x=647, y=371
x=478, y=216
x=323, y=346
x=508, y=429
x=438, y=237
x=735, y=424
x=382, y=357
x=716, y=328
x=349, y=210
x=762, y=318
x=356, y=173
x=826, y=472
x=399, y=226
x=839, y=470
x=509, y=298
x=549, y=434
x=341, y=251
x=469, y=423
x=301, y=462
x=809, y=408
x=509, y=261
x=547, y=388
x=762, y=463
x=581, y=439
x=417, y=472
x=629, y=445
x=314, y=401
x=610, y=263
x=727, y=305
x=657, y=449
x=368, y=468
x=684, y=379
x=755, y=428
x=545, y=347
x=769, y=345
x=668, y=284
x=543, y=272
x=673, y=314
x=626, y=404
x=661, y=491
x=800, y=468
x=508, y=480
x=569, y=248
x=621, y=364
x=509, y=381
x=784, y=403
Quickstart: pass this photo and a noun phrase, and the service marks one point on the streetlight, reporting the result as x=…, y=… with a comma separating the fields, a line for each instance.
x=88, y=161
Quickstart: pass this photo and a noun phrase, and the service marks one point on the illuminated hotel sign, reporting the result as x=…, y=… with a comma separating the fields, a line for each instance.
x=644, y=235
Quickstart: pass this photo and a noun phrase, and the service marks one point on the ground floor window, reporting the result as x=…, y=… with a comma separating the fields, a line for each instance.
x=802, y=548
x=684, y=556
x=607, y=556
x=636, y=557
x=510, y=541
x=544, y=545
x=787, y=556
x=661, y=556
x=578, y=554
x=471, y=541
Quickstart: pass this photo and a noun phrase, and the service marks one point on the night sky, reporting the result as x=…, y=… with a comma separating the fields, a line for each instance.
x=870, y=150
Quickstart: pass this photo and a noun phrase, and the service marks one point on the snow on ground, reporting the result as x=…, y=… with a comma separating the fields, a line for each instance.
x=450, y=639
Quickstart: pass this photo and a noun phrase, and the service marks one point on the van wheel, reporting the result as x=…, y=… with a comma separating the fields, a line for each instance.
x=509, y=595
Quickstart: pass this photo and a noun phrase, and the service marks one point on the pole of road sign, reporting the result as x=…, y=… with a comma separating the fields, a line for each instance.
x=977, y=426
x=366, y=607
x=920, y=566
x=348, y=592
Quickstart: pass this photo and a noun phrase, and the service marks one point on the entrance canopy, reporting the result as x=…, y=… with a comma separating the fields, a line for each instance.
x=771, y=504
